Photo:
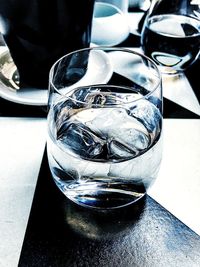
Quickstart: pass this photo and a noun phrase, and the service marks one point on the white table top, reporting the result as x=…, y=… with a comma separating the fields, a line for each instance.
x=22, y=142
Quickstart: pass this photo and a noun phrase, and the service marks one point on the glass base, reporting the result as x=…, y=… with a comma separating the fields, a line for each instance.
x=103, y=195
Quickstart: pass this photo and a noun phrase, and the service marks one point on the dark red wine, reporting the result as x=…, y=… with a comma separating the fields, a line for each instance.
x=172, y=40
x=38, y=32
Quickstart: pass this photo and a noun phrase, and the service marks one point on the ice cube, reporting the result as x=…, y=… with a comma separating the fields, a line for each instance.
x=100, y=95
x=94, y=95
x=127, y=142
x=117, y=151
x=125, y=135
x=63, y=110
x=106, y=132
x=78, y=138
x=81, y=94
x=106, y=120
x=149, y=115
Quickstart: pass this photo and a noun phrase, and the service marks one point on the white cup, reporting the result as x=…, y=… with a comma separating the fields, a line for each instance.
x=143, y=5
x=121, y=4
x=110, y=26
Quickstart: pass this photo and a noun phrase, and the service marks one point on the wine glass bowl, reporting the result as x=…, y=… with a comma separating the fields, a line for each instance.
x=171, y=34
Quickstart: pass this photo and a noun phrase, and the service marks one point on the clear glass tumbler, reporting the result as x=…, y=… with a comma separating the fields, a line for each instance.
x=104, y=126
x=171, y=34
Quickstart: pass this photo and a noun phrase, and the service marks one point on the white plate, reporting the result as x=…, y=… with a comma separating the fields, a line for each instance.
x=39, y=97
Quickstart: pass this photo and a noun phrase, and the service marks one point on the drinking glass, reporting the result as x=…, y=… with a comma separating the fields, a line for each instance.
x=104, y=126
x=171, y=34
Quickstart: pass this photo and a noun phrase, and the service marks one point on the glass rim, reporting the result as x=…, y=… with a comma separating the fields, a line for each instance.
x=104, y=48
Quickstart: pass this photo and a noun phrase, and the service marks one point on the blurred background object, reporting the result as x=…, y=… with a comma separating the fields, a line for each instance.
x=37, y=33
x=142, y=5
x=121, y=4
x=110, y=25
x=171, y=34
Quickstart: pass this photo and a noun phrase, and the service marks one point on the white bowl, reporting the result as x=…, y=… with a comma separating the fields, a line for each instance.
x=109, y=26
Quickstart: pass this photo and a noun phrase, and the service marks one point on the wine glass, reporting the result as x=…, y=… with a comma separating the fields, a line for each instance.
x=171, y=34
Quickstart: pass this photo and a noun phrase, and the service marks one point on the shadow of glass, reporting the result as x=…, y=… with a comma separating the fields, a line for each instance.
x=103, y=224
